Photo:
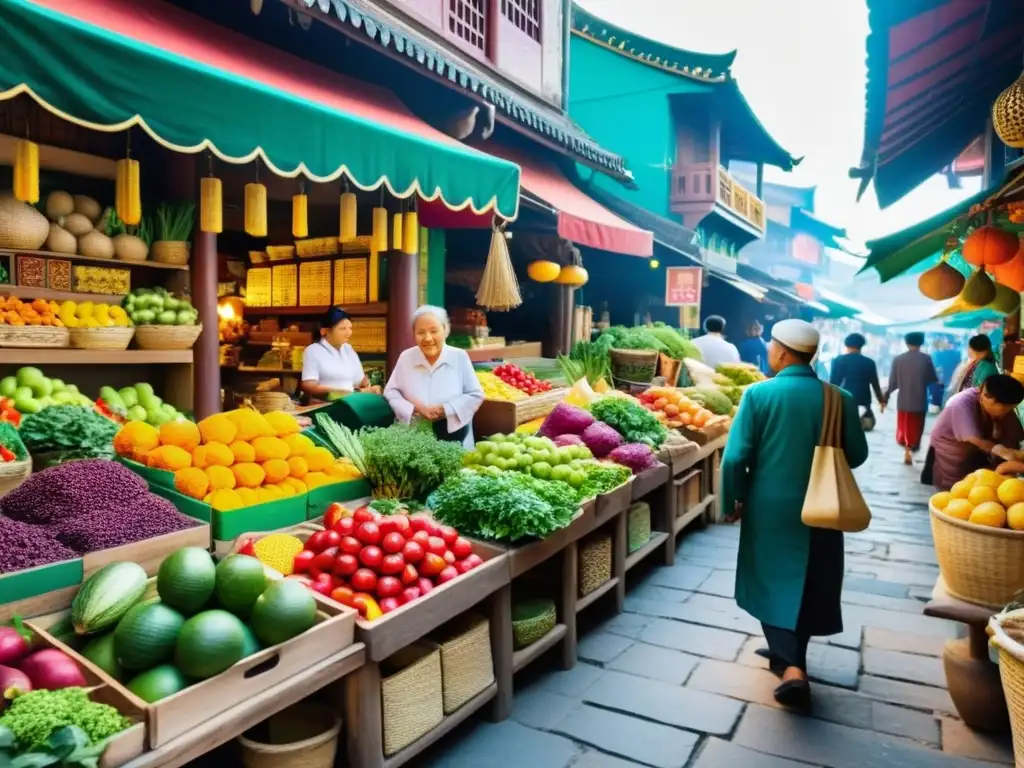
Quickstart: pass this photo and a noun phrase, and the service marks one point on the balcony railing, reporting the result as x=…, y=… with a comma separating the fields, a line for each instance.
x=710, y=184
x=740, y=200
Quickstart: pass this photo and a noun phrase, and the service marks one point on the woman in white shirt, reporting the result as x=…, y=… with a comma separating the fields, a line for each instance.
x=435, y=382
x=331, y=365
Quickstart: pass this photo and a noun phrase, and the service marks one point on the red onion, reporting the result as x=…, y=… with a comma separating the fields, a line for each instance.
x=53, y=670
x=13, y=646
x=13, y=683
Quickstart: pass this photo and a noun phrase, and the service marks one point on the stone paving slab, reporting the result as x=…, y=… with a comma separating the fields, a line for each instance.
x=539, y=708
x=680, y=576
x=653, y=592
x=915, y=553
x=958, y=739
x=572, y=682
x=723, y=754
x=626, y=624
x=721, y=583
x=602, y=647
x=656, y=663
x=910, y=667
x=629, y=737
x=876, y=587
x=825, y=663
x=505, y=745
x=691, y=638
x=735, y=619
x=906, y=642
x=907, y=694
x=594, y=759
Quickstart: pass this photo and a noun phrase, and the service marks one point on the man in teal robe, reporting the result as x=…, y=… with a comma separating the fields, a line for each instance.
x=789, y=576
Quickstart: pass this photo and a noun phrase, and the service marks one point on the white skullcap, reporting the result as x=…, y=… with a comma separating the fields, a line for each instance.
x=798, y=335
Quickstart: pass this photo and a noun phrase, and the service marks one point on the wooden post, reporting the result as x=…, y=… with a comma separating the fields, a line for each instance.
x=206, y=352
x=403, y=292
x=501, y=652
x=567, y=605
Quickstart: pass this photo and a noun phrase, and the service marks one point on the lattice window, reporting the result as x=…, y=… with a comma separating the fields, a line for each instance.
x=525, y=14
x=467, y=19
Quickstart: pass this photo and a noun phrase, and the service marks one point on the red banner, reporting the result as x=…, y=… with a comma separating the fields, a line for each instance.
x=683, y=286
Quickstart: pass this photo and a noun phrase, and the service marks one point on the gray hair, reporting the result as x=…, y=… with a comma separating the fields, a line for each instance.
x=438, y=313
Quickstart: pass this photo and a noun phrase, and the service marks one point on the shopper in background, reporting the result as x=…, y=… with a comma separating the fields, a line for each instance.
x=857, y=374
x=981, y=363
x=714, y=349
x=911, y=375
x=753, y=348
x=331, y=367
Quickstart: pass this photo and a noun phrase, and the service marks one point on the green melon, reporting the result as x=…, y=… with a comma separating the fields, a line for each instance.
x=284, y=610
x=157, y=683
x=186, y=579
x=100, y=652
x=240, y=581
x=209, y=643
x=251, y=644
x=146, y=635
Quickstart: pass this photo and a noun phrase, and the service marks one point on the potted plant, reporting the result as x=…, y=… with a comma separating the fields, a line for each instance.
x=173, y=227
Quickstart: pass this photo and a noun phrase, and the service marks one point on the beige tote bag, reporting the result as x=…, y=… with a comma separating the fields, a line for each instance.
x=833, y=500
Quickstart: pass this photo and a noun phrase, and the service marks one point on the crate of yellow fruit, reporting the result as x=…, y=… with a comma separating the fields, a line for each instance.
x=978, y=528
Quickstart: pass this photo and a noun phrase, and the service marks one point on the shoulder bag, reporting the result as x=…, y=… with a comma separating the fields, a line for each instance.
x=833, y=500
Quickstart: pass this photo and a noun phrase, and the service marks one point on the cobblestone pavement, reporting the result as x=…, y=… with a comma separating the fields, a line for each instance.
x=674, y=680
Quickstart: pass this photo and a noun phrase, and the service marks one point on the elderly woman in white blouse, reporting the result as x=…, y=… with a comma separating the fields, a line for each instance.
x=435, y=382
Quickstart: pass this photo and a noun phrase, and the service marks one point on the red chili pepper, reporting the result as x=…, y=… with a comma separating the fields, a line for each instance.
x=5, y=454
x=247, y=548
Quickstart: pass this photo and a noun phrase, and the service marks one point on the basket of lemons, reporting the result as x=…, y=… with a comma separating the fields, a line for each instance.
x=96, y=325
x=978, y=528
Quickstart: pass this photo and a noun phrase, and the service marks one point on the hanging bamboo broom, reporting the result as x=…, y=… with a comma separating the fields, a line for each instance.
x=499, y=289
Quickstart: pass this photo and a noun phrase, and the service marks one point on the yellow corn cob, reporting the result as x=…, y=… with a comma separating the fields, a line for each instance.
x=347, y=227
x=128, y=192
x=26, y=171
x=380, y=229
x=411, y=233
x=211, y=205
x=396, y=233
x=300, y=216
x=256, y=209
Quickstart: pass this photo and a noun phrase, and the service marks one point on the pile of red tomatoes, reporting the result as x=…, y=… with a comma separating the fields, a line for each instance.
x=522, y=380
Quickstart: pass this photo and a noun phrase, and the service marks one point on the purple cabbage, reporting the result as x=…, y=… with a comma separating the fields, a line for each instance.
x=563, y=440
x=146, y=518
x=565, y=420
x=601, y=439
x=637, y=456
x=68, y=490
x=26, y=546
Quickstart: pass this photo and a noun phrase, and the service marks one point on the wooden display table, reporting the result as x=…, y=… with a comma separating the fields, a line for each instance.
x=695, y=493
x=971, y=677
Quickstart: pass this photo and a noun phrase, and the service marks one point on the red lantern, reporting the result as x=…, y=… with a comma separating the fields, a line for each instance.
x=1011, y=273
x=990, y=246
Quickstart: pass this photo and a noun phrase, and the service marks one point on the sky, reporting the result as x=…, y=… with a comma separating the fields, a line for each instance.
x=801, y=65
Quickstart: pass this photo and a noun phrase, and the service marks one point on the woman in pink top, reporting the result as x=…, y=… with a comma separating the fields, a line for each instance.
x=978, y=428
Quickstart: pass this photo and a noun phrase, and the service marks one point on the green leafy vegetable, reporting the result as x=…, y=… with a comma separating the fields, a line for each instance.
x=503, y=506
x=716, y=401
x=345, y=441
x=740, y=374
x=10, y=440
x=405, y=462
x=588, y=359
x=631, y=420
x=620, y=337
x=35, y=717
x=601, y=478
x=174, y=221
x=69, y=430
x=677, y=345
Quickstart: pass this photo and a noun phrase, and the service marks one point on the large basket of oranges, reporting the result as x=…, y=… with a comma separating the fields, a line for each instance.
x=978, y=528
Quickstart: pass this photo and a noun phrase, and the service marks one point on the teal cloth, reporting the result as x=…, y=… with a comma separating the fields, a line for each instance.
x=984, y=369
x=767, y=466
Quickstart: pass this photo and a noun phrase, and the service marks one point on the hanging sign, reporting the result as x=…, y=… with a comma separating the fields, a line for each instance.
x=682, y=289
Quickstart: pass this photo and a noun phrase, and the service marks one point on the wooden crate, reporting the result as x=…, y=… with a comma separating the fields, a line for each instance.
x=615, y=502
x=496, y=416
x=689, y=491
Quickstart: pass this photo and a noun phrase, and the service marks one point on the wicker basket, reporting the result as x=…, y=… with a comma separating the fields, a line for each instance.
x=1011, y=671
x=167, y=336
x=101, y=338
x=44, y=336
x=638, y=526
x=170, y=252
x=635, y=366
x=13, y=474
x=303, y=736
x=595, y=563
x=531, y=620
x=265, y=402
x=466, y=665
x=669, y=369
x=979, y=564
x=411, y=695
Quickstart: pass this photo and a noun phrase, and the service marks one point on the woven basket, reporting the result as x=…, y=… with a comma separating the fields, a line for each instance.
x=101, y=338
x=170, y=252
x=412, y=695
x=44, y=336
x=595, y=563
x=979, y=564
x=265, y=402
x=538, y=405
x=303, y=736
x=1011, y=671
x=531, y=620
x=466, y=664
x=636, y=366
x=21, y=225
x=13, y=474
x=167, y=336
x=638, y=525
x=669, y=369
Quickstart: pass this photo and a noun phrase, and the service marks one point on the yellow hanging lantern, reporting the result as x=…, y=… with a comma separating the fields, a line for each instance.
x=300, y=215
x=256, y=209
x=543, y=271
x=411, y=233
x=380, y=229
x=1008, y=114
x=26, y=171
x=211, y=205
x=347, y=224
x=573, y=275
x=128, y=192
x=396, y=233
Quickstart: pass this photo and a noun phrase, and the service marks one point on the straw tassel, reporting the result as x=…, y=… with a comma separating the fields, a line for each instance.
x=300, y=215
x=211, y=205
x=128, y=192
x=256, y=209
x=411, y=233
x=499, y=289
x=347, y=223
x=26, y=171
x=396, y=233
x=380, y=229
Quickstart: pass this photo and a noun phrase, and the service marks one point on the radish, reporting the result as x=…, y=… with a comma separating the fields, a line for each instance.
x=13, y=683
x=13, y=646
x=52, y=670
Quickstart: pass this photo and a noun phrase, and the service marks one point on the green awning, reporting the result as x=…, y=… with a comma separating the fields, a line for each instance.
x=968, y=320
x=109, y=65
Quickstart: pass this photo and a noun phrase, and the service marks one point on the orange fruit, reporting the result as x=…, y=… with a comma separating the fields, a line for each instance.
x=1011, y=492
x=988, y=477
x=981, y=494
x=990, y=514
x=959, y=508
x=1015, y=517
x=941, y=500
x=961, y=489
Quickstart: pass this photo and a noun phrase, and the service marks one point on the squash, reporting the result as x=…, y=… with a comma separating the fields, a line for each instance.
x=990, y=246
x=21, y=225
x=979, y=290
x=1011, y=273
x=130, y=248
x=542, y=271
x=96, y=245
x=300, y=216
x=211, y=205
x=347, y=217
x=61, y=241
x=106, y=596
x=77, y=224
x=256, y=210
x=59, y=204
x=572, y=275
x=1006, y=301
x=941, y=282
x=88, y=207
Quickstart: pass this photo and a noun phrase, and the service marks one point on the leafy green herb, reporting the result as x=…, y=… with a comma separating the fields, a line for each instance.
x=404, y=462
x=36, y=717
x=68, y=747
x=677, y=345
x=11, y=440
x=620, y=337
x=601, y=478
x=344, y=440
x=174, y=221
x=631, y=420
x=586, y=359
x=71, y=431
x=507, y=507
